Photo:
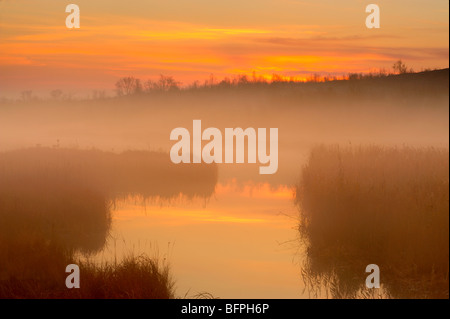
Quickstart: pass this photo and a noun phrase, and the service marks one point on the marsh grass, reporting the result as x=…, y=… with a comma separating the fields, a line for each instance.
x=381, y=205
x=55, y=204
x=65, y=195
x=145, y=173
x=134, y=277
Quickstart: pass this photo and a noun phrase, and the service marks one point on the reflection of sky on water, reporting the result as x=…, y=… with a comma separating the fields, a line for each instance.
x=233, y=245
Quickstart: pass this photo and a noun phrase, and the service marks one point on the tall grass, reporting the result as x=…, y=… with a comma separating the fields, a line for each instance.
x=113, y=175
x=55, y=203
x=377, y=205
x=135, y=277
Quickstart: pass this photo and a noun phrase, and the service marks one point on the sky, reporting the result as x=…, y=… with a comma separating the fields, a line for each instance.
x=191, y=39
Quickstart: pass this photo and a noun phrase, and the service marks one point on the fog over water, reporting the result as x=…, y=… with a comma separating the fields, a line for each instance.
x=145, y=123
x=224, y=228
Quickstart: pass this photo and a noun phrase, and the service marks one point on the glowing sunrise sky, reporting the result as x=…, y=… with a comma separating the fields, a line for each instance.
x=191, y=39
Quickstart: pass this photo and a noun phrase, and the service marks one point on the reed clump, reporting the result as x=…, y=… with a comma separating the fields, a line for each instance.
x=135, y=277
x=377, y=205
x=55, y=205
x=114, y=175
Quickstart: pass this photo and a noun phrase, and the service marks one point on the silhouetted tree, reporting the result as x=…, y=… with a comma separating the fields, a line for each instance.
x=211, y=81
x=276, y=78
x=243, y=79
x=138, y=89
x=399, y=67
x=195, y=85
x=128, y=85
x=164, y=84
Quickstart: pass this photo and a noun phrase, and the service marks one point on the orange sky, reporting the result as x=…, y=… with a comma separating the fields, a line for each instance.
x=192, y=39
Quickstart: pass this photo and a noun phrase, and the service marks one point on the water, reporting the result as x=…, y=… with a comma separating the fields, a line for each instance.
x=241, y=243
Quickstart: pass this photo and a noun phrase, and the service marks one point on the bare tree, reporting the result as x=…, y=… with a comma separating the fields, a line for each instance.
x=400, y=68
x=128, y=85
x=138, y=89
x=276, y=78
x=164, y=84
x=149, y=86
x=211, y=81
x=243, y=79
x=382, y=72
x=194, y=85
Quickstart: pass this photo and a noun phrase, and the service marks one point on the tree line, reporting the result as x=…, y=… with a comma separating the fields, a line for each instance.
x=131, y=85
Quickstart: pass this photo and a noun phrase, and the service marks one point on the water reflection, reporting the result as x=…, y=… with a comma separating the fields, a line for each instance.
x=376, y=205
x=57, y=202
x=232, y=247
